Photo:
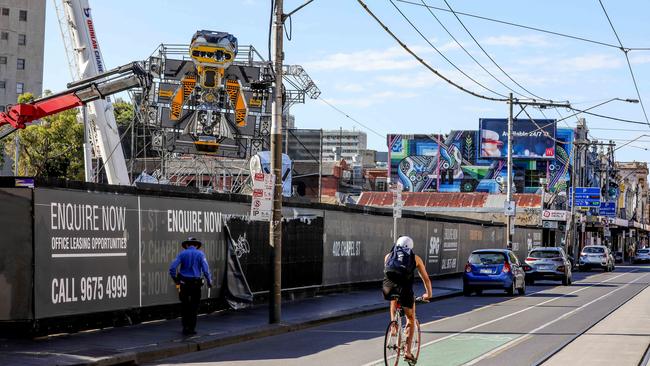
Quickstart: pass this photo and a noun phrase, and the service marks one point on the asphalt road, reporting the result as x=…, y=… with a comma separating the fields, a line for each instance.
x=492, y=329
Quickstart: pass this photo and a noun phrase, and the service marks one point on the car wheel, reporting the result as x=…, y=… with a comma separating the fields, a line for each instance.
x=522, y=289
x=511, y=290
x=467, y=291
x=479, y=292
x=565, y=281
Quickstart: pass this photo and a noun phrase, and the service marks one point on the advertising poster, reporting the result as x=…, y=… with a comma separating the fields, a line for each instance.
x=531, y=139
x=86, y=252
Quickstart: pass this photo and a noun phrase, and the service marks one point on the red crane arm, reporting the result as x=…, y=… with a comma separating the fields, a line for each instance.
x=21, y=114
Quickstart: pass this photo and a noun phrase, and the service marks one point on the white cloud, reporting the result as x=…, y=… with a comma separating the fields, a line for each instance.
x=372, y=99
x=407, y=81
x=516, y=41
x=393, y=58
x=350, y=88
x=591, y=62
x=640, y=59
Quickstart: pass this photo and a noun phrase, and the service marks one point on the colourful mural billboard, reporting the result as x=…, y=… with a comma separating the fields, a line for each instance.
x=452, y=163
x=531, y=139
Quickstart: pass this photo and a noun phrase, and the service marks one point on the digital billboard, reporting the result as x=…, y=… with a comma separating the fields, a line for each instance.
x=531, y=139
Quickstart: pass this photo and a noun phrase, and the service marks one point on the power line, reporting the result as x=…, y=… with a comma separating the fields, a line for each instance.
x=627, y=58
x=350, y=117
x=440, y=53
x=488, y=55
x=424, y=63
x=522, y=26
x=468, y=53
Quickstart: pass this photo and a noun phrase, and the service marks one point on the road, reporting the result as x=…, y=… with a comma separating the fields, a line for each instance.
x=492, y=329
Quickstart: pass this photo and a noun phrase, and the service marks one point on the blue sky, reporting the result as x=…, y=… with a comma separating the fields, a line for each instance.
x=362, y=71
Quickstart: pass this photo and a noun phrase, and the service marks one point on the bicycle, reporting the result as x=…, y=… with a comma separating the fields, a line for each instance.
x=396, y=336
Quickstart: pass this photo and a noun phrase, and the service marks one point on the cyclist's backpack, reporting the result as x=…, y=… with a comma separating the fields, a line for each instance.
x=400, y=265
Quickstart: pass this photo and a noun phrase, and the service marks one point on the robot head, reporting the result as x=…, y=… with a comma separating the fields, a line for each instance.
x=213, y=49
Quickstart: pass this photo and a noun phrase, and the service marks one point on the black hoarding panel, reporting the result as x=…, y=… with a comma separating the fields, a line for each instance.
x=165, y=223
x=302, y=252
x=354, y=247
x=434, y=253
x=524, y=240
x=449, y=262
x=86, y=252
x=16, y=254
x=418, y=231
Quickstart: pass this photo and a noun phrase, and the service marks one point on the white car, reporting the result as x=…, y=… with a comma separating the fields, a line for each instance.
x=593, y=256
x=642, y=255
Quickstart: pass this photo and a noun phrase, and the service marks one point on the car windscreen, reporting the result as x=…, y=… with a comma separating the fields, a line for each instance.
x=544, y=254
x=487, y=258
x=593, y=250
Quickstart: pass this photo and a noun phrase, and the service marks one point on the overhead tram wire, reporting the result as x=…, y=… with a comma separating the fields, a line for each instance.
x=424, y=63
x=520, y=26
x=627, y=58
x=441, y=54
x=469, y=54
x=350, y=117
x=488, y=55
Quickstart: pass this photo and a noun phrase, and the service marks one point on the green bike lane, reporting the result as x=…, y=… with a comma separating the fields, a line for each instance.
x=455, y=331
x=522, y=330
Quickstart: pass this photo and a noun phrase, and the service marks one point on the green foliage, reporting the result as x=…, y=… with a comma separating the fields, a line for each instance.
x=26, y=98
x=53, y=148
x=123, y=112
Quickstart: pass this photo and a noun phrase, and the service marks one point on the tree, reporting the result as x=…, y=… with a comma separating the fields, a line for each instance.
x=51, y=148
x=123, y=113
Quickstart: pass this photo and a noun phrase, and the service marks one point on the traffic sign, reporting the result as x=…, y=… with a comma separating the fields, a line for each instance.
x=586, y=197
x=608, y=209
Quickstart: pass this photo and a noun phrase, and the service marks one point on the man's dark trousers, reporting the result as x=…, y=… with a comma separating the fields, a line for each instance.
x=190, y=296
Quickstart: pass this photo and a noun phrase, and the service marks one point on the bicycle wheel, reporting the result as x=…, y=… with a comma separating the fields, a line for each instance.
x=416, y=341
x=392, y=344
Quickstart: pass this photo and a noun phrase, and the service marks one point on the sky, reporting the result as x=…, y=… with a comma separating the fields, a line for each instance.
x=363, y=72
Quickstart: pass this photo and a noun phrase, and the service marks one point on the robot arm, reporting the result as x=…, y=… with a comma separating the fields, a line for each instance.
x=79, y=93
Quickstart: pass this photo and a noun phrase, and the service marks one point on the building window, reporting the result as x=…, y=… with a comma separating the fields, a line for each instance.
x=532, y=178
x=3, y=84
x=4, y=36
x=22, y=39
x=22, y=15
x=21, y=64
x=3, y=60
x=2, y=108
x=5, y=11
x=20, y=88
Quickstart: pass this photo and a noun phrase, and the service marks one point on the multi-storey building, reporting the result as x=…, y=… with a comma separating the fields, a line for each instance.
x=22, y=36
x=344, y=144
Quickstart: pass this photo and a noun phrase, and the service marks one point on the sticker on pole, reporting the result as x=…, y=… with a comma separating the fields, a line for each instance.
x=509, y=208
x=398, y=204
x=262, y=197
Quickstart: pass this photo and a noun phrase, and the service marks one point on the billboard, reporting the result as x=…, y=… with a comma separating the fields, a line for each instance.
x=531, y=139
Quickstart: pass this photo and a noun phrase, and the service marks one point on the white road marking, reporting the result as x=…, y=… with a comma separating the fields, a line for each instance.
x=499, y=318
x=532, y=332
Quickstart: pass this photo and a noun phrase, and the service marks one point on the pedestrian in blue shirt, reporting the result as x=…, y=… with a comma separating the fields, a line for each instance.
x=192, y=263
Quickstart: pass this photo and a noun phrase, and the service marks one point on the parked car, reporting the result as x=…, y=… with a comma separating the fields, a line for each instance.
x=548, y=263
x=593, y=256
x=618, y=257
x=493, y=269
x=641, y=256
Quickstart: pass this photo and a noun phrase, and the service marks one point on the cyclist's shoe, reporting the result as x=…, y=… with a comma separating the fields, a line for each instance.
x=408, y=357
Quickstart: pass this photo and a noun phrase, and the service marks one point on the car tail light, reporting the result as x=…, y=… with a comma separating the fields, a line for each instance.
x=527, y=267
x=468, y=267
x=506, y=267
x=560, y=268
x=531, y=259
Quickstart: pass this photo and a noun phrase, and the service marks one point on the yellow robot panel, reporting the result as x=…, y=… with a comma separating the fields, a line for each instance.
x=211, y=55
x=237, y=100
x=180, y=95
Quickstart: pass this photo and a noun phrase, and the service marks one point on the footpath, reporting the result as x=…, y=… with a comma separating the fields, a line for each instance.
x=159, y=339
x=622, y=338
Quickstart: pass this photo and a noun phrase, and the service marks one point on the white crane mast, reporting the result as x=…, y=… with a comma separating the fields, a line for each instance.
x=77, y=23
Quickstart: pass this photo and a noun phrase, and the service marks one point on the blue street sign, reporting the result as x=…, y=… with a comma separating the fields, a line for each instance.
x=608, y=209
x=587, y=197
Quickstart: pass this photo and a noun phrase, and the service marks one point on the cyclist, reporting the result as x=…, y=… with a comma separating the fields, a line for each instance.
x=399, y=273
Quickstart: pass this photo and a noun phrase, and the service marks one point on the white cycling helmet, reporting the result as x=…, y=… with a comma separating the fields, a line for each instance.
x=405, y=241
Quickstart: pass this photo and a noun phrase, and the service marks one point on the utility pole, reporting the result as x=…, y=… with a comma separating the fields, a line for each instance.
x=275, y=226
x=509, y=216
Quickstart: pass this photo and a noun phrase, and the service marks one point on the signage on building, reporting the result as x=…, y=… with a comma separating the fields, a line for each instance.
x=586, y=197
x=550, y=224
x=608, y=209
x=531, y=139
x=555, y=215
x=398, y=204
x=262, y=201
